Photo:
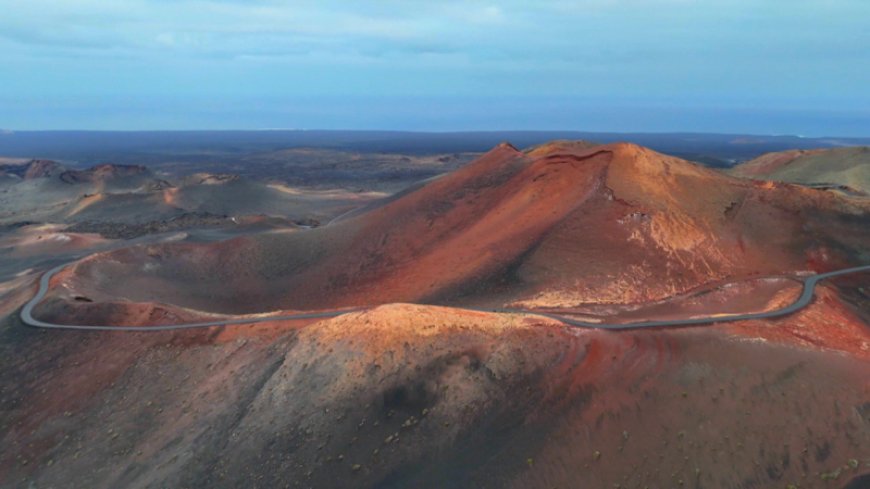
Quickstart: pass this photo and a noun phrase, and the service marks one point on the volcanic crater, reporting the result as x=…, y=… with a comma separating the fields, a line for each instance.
x=561, y=226
x=427, y=395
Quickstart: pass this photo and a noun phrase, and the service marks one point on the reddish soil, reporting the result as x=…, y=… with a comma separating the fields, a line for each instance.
x=560, y=226
x=412, y=396
x=722, y=299
x=830, y=324
x=406, y=395
x=46, y=239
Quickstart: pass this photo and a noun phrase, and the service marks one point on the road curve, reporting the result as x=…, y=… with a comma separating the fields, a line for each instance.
x=809, y=285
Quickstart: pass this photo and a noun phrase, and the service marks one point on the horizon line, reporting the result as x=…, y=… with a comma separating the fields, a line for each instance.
x=8, y=132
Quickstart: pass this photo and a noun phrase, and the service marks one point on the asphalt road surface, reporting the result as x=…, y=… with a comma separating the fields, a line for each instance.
x=809, y=285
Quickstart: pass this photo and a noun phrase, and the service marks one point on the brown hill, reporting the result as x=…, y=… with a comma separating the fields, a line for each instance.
x=44, y=191
x=559, y=227
x=428, y=397
x=49, y=192
x=839, y=167
x=103, y=173
x=41, y=169
x=32, y=169
x=97, y=174
x=407, y=395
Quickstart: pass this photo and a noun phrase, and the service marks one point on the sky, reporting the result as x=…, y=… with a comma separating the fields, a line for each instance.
x=738, y=66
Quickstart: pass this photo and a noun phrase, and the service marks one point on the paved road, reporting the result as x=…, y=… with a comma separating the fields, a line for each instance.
x=809, y=285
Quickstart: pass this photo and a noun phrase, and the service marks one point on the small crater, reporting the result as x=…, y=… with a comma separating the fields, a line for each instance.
x=410, y=398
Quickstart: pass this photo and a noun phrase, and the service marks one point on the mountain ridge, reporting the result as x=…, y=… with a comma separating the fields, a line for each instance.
x=614, y=224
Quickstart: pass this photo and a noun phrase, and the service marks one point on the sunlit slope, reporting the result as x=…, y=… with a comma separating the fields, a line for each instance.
x=559, y=226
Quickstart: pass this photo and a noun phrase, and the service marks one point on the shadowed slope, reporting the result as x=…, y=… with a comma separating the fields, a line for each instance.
x=414, y=396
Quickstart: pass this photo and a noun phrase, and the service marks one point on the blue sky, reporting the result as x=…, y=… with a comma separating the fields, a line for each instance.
x=761, y=66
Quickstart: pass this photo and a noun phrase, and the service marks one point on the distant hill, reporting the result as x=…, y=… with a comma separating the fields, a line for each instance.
x=89, y=147
x=31, y=169
x=47, y=191
x=848, y=168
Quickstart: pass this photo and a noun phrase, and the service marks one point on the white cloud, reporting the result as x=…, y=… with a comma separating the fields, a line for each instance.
x=709, y=49
x=234, y=27
x=165, y=39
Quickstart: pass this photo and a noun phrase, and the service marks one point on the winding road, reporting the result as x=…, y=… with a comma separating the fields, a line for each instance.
x=809, y=285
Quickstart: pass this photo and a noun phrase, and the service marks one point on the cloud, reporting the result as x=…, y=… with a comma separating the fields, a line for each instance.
x=696, y=52
x=219, y=25
x=539, y=30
